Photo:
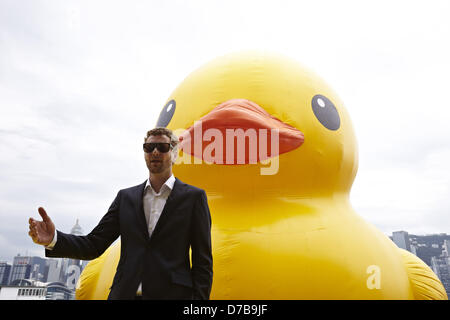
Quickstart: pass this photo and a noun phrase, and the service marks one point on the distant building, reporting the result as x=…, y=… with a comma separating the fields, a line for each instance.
x=428, y=246
x=22, y=289
x=65, y=270
x=446, y=248
x=441, y=266
x=59, y=291
x=401, y=239
x=5, y=273
x=21, y=268
x=25, y=267
x=38, y=268
x=39, y=278
x=434, y=249
x=55, y=270
x=77, y=231
x=74, y=267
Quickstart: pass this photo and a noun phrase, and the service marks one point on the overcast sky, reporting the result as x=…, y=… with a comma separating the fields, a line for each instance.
x=82, y=81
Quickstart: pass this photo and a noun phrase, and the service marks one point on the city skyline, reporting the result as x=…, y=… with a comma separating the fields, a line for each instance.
x=35, y=277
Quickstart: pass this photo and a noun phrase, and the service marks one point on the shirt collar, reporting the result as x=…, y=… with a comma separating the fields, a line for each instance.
x=169, y=183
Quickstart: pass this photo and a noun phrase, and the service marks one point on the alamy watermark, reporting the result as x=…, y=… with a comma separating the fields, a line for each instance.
x=235, y=147
x=374, y=279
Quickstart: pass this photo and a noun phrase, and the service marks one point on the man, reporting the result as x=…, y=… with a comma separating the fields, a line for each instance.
x=158, y=221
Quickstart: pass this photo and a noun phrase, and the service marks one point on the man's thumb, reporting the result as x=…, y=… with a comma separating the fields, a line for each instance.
x=43, y=214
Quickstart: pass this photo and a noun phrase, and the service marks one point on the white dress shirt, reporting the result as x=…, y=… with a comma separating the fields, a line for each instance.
x=154, y=202
x=153, y=206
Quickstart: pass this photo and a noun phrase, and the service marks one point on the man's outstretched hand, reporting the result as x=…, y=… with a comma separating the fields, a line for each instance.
x=42, y=232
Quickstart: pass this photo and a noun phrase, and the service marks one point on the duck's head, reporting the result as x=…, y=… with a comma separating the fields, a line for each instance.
x=299, y=140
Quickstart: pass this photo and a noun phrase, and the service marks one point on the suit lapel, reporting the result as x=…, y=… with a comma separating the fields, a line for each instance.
x=138, y=198
x=171, y=203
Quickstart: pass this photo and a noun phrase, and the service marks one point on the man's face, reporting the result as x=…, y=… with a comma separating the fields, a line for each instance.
x=158, y=162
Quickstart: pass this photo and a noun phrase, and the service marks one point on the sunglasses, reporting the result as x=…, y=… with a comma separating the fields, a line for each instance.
x=162, y=147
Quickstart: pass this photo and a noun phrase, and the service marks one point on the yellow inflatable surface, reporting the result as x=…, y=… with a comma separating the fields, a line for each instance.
x=274, y=148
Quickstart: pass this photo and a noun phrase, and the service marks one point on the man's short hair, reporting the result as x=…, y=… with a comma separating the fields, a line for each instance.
x=159, y=131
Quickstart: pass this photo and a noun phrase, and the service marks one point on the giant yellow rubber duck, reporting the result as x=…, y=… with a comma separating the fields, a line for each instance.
x=275, y=150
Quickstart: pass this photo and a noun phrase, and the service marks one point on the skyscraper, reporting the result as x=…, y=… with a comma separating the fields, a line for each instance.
x=441, y=267
x=21, y=268
x=446, y=248
x=25, y=267
x=74, y=267
x=5, y=272
x=78, y=231
x=401, y=239
x=55, y=270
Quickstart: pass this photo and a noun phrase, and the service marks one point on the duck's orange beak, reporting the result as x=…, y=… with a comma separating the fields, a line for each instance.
x=239, y=131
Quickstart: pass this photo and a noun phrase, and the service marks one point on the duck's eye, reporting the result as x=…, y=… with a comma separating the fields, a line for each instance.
x=166, y=114
x=326, y=112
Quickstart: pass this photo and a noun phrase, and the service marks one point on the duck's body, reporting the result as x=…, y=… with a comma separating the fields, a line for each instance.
x=306, y=254
x=284, y=228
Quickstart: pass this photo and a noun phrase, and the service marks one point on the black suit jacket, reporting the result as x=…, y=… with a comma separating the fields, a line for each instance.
x=161, y=262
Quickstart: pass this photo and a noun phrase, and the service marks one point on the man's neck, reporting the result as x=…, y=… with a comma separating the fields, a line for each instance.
x=157, y=180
